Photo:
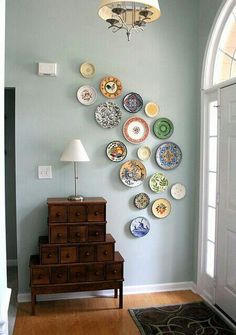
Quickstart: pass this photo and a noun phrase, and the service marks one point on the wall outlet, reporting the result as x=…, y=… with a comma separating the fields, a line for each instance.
x=45, y=172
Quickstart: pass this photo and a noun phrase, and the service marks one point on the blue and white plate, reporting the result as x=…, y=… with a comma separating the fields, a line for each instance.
x=139, y=227
x=168, y=156
x=132, y=102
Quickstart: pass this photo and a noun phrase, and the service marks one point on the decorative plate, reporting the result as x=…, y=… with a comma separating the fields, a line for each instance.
x=141, y=200
x=139, y=227
x=108, y=115
x=87, y=95
x=132, y=102
x=132, y=173
x=87, y=70
x=161, y=208
x=168, y=155
x=135, y=130
x=111, y=87
x=144, y=153
x=152, y=109
x=158, y=182
x=116, y=151
x=163, y=128
x=178, y=191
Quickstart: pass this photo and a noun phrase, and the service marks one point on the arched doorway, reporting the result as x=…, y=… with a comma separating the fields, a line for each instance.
x=217, y=236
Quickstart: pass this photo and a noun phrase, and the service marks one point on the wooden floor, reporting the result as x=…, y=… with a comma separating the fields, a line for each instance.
x=91, y=316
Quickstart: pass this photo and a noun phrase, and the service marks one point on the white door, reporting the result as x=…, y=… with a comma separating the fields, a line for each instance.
x=226, y=232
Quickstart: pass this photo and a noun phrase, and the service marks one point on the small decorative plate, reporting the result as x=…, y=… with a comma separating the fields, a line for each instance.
x=144, y=153
x=168, y=155
x=111, y=87
x=158, y=182
x=161, y=208
x=132, y=173
x=108, y=115
x=132, y=102
x=116, y=151
x=135, y=130
x=139, y=227
x=141, y=200
x=87, y=95
x=87, y=70
x=163, y=128
x=178, y=191
x=152, y=109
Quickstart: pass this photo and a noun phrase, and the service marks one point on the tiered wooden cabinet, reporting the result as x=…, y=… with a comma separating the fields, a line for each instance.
x=77, y=255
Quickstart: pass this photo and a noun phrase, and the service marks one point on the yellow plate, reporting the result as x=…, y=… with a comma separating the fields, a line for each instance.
x=161, y=208
x=152, y=109
x=87, y=70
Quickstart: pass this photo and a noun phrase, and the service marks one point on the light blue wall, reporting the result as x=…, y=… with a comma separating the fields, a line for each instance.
x=161, y=65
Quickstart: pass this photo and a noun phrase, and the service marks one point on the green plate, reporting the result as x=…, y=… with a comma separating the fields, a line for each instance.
x=163, y=128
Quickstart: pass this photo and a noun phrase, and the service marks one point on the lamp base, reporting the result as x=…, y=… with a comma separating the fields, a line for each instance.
x=75, y=198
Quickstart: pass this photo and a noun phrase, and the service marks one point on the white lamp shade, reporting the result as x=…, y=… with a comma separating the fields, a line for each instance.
x=74, y=152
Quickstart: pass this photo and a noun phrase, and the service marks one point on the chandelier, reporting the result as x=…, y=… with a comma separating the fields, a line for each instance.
x=129, y=15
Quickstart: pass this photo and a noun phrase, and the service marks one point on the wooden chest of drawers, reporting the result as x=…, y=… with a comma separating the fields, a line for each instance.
x=77, y=254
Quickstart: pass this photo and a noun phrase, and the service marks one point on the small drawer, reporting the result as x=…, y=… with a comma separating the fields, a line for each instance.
x=96, y=233
x=87, y=254
x=77, y=213
x=78, y=234
x=95, y=272
x=68, y=255
x=77, y=273
x=114, y=271
x=57, y=213
x=49, y=255
x=40, y=276
x=58, y=234
x=105, y=252
x=96, y=213
x=59, y=275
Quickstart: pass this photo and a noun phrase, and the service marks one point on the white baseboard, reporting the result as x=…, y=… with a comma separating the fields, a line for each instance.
x=141, y=289
x=12, y=262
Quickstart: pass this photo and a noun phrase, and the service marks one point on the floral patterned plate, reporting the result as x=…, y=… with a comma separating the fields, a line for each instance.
x=168, y=155
x=178, y=191
x=116, y=151
x=87, y=95
x=141, y=200
x=161, y=208
x=132, y=102
x=108, y=115
x=158, y=182
x=132, y=173
x=163, y=128
x=139, y=227
x=136, y=130
x=111, y=87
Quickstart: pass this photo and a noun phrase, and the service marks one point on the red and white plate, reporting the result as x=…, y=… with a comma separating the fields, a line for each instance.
x=136, y=130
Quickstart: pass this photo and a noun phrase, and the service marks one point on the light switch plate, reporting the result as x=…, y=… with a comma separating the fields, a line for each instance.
x=45, y=172
x=47, y=69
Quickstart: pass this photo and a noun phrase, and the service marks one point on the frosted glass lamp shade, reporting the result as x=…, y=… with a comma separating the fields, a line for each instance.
x=74, y=152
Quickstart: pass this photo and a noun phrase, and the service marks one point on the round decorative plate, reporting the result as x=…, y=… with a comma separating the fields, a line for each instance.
x=132, y=102
x=144, y=153
x=87, y=95
x=111, y=87
x=163, y=128
x=108, y=115
x=141, y=200
x=87, y=70
x=139, y=227
x=152, y=109
x=161, y=208
x=178, y=191
x=116, y=151
x=158, y=182
x=135, y=130
x=168, y=155
x=132, y=173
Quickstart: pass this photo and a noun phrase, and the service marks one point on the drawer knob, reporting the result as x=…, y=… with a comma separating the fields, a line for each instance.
x=49, y=255
x=114, y=272
x=77, y=234
x=87, y=253
x=58, y=214
x=97, y=273
x=67, y=255
x=105, y=253
x=59, y=275
x=77, y=214
x=59, y=235
x=96, y=213
x=40, y=276
x=97, y=233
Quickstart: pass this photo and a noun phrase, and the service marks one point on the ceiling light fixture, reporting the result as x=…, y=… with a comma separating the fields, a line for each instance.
x=129, y=15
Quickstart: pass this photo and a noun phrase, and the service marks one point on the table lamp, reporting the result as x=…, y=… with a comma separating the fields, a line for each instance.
x=75, y=152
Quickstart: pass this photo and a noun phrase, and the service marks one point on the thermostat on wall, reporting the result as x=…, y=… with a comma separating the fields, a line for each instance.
x=47, y=69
